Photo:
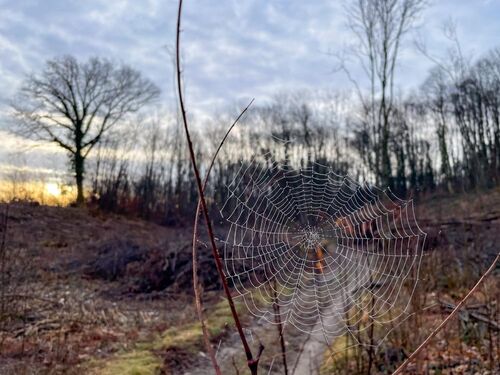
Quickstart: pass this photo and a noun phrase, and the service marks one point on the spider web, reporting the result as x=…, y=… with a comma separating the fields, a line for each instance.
x=318, y=245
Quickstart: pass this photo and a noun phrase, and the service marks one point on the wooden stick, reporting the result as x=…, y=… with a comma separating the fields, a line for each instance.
x=448, y=318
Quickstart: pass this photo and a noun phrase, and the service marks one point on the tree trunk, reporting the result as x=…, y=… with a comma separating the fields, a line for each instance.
x=443, y=149
x=79, y=171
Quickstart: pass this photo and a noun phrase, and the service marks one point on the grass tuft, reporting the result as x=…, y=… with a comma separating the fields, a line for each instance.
x=135, y=362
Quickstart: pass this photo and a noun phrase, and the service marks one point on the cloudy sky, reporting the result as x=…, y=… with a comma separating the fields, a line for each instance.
x=234, y=50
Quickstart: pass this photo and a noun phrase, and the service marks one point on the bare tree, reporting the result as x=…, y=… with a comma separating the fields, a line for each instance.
x=436, y=91
x=379, y=26
x=74, y=104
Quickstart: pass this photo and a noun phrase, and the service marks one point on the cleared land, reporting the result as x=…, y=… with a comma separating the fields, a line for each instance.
x=86, y=292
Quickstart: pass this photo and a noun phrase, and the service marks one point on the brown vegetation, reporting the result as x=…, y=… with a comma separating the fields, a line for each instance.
x=87, y=291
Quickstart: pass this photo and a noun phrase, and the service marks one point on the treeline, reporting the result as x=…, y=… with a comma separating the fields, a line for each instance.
x=464, y=104
x=445, y=136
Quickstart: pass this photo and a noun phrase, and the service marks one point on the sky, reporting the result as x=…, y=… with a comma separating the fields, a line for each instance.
x=233, y=50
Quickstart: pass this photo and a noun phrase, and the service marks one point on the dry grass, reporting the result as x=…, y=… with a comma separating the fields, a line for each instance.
x=58, y=318
x=61, y=321
x=463, y=233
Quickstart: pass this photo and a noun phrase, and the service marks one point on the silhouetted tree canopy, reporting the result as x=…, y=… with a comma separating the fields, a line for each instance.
x=73, y=104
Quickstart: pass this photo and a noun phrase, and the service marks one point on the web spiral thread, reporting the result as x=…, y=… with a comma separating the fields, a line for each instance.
x=319, y=245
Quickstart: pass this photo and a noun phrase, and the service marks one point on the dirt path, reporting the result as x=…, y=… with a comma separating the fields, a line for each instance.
x=305, y=352
x=310, y=359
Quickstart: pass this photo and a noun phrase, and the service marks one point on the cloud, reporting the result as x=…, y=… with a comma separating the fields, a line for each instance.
x=229, y=46
x=232, y=50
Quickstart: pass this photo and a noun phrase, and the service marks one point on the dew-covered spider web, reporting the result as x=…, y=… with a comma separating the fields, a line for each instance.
x=333, y=254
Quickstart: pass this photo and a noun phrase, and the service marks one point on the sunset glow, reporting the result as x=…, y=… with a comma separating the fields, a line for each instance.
x=53, y=189
x=47, y=193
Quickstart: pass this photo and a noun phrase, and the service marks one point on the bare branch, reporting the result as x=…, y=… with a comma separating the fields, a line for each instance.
x=196, y=284
x=252, y=363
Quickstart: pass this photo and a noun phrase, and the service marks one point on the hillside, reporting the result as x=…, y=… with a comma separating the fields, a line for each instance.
x=83, y=291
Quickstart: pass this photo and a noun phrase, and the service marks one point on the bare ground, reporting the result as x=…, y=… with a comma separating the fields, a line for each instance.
x=86, y=292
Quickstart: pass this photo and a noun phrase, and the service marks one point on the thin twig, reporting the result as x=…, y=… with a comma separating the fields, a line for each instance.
x=277, y=319
x=235, y=366
x=252, y=363
x=448, y=318
x=3, y=259
x=196, y=284
x=301, y=351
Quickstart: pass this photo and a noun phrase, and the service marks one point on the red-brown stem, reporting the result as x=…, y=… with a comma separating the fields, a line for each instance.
x=252, y=363
x=372, y=324
x=277, y=319
x=448, y=318
x=196, y=284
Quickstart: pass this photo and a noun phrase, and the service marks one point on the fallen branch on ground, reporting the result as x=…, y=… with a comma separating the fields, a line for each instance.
x=472, y=314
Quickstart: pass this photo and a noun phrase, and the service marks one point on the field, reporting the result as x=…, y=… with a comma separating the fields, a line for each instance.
x=86, y=292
